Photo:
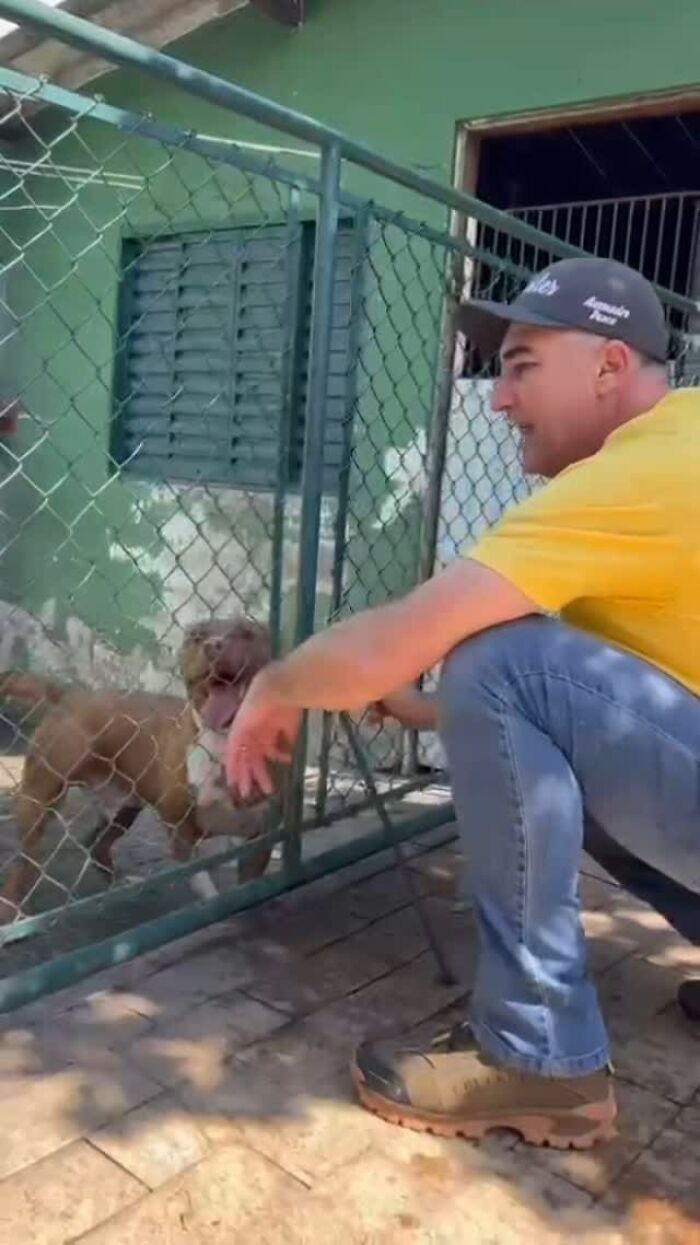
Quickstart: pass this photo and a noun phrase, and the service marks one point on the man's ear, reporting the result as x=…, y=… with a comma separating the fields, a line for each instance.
x=615, y=360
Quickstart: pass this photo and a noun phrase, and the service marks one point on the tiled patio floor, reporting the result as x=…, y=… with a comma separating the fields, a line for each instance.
x=200, y=1096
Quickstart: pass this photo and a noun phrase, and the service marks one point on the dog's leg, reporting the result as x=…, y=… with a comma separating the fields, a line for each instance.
x=41, y=791
x=183, y=847
x=203, y=885
x=178, y=813
x=107, y=835
x=259, y=821
x=254, y=865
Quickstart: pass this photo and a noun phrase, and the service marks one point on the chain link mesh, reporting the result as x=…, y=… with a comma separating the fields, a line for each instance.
x=121, y=259
x=155, y=312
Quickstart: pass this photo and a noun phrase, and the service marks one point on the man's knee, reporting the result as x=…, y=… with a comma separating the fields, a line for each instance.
x=478, y=665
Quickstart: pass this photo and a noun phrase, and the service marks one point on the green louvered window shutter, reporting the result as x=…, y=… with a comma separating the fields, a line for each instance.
x=207, y=328
x=212, y=362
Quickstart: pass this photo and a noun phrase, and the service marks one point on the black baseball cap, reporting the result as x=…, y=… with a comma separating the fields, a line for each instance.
x=598, y=296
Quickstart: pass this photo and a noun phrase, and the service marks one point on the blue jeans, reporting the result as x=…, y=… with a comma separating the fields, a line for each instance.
x=553, y=736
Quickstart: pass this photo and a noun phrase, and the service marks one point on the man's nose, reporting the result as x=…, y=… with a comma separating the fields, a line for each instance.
x=501, y=396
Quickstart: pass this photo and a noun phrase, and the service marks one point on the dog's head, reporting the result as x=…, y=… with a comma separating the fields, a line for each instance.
x=218, y=661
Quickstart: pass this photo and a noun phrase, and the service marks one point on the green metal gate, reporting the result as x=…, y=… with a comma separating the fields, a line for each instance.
x=239, y=390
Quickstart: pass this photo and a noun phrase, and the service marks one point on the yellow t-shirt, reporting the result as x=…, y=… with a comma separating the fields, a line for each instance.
x=613, y=543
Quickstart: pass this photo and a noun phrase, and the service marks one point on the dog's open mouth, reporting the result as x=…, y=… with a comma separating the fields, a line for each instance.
x=223, y=701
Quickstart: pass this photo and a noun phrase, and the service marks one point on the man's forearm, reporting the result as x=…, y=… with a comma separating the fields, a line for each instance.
x=365, y=657
x=348, y=665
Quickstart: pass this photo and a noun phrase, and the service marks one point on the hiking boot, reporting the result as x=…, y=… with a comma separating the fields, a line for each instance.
x=453, y=1089
x=689, y=998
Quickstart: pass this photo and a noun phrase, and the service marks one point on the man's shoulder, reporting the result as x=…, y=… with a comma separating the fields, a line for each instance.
x=620, y=474
x=653, y=458
x=673, y=418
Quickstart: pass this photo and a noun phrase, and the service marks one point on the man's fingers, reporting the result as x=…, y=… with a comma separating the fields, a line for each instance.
x=252, y=743
x=231, y=761
x=239, y=777
x=238, y=771
x=261, y=776
x=247, y=773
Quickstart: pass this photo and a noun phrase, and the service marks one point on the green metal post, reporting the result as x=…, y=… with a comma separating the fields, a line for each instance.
x=312, y=471
x=343, y=500
x=438, y=432
x=291, y=312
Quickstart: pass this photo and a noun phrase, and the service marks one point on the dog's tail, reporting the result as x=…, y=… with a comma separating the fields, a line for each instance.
x=30, y=689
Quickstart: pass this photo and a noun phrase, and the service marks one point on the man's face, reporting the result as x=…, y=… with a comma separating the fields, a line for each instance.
x=548, y=389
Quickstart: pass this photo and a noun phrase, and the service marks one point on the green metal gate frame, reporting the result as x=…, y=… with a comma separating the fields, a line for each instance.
x=523, y=250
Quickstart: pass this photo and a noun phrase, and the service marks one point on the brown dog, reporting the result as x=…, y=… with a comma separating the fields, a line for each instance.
x=133, y=749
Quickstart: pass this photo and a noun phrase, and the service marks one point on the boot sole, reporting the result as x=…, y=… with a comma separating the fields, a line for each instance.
x=572, y=1128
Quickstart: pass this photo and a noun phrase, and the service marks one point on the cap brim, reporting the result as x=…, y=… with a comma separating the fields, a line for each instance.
x=485, y=324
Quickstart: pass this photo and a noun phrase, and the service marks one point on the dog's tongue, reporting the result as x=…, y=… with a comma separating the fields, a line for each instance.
x=220, y=707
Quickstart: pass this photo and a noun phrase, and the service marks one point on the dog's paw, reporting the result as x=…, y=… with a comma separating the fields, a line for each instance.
x=115, y=879
x=203, y=885
x=105, y=870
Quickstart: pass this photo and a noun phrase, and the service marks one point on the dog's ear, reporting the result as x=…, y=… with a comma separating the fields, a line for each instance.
x=194, y=663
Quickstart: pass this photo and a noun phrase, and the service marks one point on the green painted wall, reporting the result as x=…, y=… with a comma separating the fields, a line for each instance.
x=94, y=552
x=398, y=74
x=99, y=557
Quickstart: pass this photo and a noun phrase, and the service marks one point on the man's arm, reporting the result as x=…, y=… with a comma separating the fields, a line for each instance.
x=364, y=657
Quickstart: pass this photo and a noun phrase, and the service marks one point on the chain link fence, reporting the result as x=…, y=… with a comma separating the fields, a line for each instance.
x=230, y=389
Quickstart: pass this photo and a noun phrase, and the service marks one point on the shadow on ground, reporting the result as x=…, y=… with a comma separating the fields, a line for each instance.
x=212, y=1075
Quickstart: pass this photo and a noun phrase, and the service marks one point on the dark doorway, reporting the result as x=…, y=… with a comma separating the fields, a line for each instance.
x=628, y=189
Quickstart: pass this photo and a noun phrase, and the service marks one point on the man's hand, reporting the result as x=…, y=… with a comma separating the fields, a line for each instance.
x=263, y=730
x=414, y=709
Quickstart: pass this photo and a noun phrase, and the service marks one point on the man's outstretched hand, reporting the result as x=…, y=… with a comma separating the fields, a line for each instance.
x=263, y=730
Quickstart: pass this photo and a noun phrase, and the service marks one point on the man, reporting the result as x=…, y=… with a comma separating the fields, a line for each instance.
x=554, y=728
